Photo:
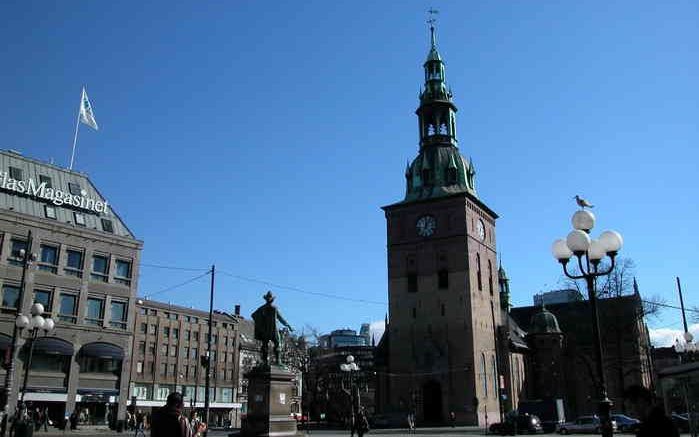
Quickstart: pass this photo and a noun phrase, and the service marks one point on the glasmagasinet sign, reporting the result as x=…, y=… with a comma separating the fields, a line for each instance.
x=54, y=195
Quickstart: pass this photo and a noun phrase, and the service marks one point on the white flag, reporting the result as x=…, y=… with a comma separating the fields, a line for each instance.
x=86, y=115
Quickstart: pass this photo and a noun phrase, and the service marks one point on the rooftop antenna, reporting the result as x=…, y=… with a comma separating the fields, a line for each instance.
x=431, y=21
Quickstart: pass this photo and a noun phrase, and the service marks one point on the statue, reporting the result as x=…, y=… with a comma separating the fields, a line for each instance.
x=265, y=318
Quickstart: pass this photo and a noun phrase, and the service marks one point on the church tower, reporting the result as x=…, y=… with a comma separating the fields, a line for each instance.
x=444, y=297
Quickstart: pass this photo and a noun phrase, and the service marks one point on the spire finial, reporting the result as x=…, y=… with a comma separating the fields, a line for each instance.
x=433, y=19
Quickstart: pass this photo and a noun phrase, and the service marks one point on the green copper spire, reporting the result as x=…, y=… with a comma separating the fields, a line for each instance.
x=439, y=169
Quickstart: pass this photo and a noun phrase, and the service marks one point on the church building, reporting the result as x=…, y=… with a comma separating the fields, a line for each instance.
x=444, y=306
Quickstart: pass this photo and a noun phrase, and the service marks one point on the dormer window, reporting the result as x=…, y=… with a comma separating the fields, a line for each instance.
x=74, y=188
x=16, y=173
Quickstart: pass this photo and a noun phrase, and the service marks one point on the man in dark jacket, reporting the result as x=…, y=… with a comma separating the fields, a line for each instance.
x=167, y=421
x=654, y=422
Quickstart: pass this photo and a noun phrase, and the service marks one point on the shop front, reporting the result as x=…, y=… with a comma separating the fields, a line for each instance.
x=97, y=398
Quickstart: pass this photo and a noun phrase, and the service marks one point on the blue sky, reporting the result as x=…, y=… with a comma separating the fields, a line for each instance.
x=264, y=137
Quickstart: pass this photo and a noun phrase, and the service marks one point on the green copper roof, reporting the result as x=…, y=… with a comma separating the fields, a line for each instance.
x=439, y=171
x=544, y=322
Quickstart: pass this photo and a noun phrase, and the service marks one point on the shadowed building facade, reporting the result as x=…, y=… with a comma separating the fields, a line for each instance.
x=440, y=344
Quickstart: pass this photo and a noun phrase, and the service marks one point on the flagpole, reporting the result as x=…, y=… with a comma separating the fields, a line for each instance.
x=77, y=125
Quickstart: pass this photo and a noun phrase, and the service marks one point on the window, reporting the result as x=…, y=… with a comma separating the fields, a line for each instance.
x=443, y=279
x=74, y=188
x=16, y=173
x=186, y=352
x=43, y=297
x=79, y=218
x=48, y=261
x=175, y=333
x=139, y=367
x=166, y=332
x=194, y=353
x=163, y=392
x=173, y=316
x=142, y=347
x=142, y=311
x=142, y=392
x=144, y=328
x=152, y=329
x=163, y=372
x=94, y=314
x=68, y=308
x=74, y=263
x=100, y=268
x=485, y=375
x=187, y=335
x=412, y=282
x=10, y=295
x=163, y=349
x=17, y=249
x=173, y=351
x=478, y=271
x=118, y=315
x=151, y=348
x=50, y=212
x=43, y=179
x=195, y=320
x=173, y=369
x=196, y=335
x=107, y=226
x=495, y=374
x=490, y=277
x=152, y=312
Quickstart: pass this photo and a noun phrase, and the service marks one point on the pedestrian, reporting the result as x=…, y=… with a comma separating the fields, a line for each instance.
x=73, y=421
x=411, y=423
x=362, y=423
x=654, y=421
x=452, y=418
x=168, y=420
x=45, y=420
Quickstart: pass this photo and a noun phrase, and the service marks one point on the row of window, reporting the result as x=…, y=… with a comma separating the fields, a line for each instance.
x=174, y=333
x=51, y=258
x=146, y=392
x=186, y=371
x=443, y=278
x=186, y=317
x=64, y=306
x=188, y=352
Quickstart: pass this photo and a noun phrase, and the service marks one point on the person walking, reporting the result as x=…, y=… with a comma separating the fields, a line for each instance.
x=362, y=423
x=168, y=420
x=654, y=421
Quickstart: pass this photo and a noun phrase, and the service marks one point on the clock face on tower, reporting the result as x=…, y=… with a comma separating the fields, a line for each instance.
x=426, y=226
x=480, y=228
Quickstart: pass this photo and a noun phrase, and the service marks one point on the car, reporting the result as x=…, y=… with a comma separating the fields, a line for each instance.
x=584, y=424
x=626, y=423
x=681, y=422
x=517, y=423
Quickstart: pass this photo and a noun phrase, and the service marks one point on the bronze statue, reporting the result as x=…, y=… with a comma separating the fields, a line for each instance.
x=265, y=318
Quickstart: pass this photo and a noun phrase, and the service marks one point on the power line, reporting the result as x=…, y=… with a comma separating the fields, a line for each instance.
x=188, y=269
x=148, y=296
x=691, y=310
x=299, y=290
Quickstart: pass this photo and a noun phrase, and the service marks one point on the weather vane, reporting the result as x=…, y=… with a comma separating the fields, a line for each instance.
x=433, y=19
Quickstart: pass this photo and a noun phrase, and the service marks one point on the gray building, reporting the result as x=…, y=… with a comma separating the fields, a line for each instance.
x=557, y=296
x=85, y=275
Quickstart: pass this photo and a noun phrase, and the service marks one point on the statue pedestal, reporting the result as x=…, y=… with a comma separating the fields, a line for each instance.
x=269, y=403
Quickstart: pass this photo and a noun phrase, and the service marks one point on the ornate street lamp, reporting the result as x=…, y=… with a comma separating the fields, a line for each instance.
x=36, y=324
x=589, y=254
x=350, y=368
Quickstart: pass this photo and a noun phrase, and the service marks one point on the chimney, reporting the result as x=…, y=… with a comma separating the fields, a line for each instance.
x=237, y=310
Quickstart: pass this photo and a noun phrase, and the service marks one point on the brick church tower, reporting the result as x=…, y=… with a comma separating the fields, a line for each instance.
x=442, y=280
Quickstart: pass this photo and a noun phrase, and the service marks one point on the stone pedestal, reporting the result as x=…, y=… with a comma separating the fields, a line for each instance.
x=269, y=403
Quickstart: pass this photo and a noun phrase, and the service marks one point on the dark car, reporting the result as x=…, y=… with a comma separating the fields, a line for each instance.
x=517, y=423
x=625, y=423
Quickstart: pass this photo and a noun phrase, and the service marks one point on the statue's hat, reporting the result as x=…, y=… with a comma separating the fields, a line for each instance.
x=269, y=297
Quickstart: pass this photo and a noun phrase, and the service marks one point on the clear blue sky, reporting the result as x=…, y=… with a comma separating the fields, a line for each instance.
x=265, y=136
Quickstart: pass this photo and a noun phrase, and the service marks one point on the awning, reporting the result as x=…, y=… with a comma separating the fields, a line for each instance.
x=103, y=350
x=52, y=346
x=5, y=342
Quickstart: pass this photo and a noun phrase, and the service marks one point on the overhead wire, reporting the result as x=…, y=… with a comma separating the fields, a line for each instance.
x=188, y=281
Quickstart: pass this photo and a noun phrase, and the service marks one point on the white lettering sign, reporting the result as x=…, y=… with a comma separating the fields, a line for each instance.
x=54, y=195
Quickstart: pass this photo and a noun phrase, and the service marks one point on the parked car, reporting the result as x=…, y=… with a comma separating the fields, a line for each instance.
x=681, y=422
x=584, y=424
x=523, y=423
x=626, y=423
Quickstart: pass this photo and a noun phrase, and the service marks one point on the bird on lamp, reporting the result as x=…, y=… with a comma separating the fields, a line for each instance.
x=582, y=203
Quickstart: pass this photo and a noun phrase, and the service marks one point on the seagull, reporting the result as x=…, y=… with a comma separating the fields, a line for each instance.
x=582, y=203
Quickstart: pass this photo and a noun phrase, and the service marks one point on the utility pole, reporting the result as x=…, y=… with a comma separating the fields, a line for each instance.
x=207, y=396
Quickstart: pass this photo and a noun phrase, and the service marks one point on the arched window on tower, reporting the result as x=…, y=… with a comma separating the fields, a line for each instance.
x=490, y=277
x=495, y=375
x=485, y=375
x=443, y=129
x=430, y=130
x=479, y=280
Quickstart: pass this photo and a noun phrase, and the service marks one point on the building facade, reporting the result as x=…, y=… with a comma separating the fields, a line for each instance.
x=444, y=306
x=169, y=353
x=85, y=275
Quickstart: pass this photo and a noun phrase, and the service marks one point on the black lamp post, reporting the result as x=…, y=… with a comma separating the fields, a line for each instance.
x=350, y=367
x=36, y=325
x=589, y=254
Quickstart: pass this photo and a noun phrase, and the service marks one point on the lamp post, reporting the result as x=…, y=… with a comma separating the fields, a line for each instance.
x=36, y=324
x=589, y=254
x=27, y=259
x=350, y=367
